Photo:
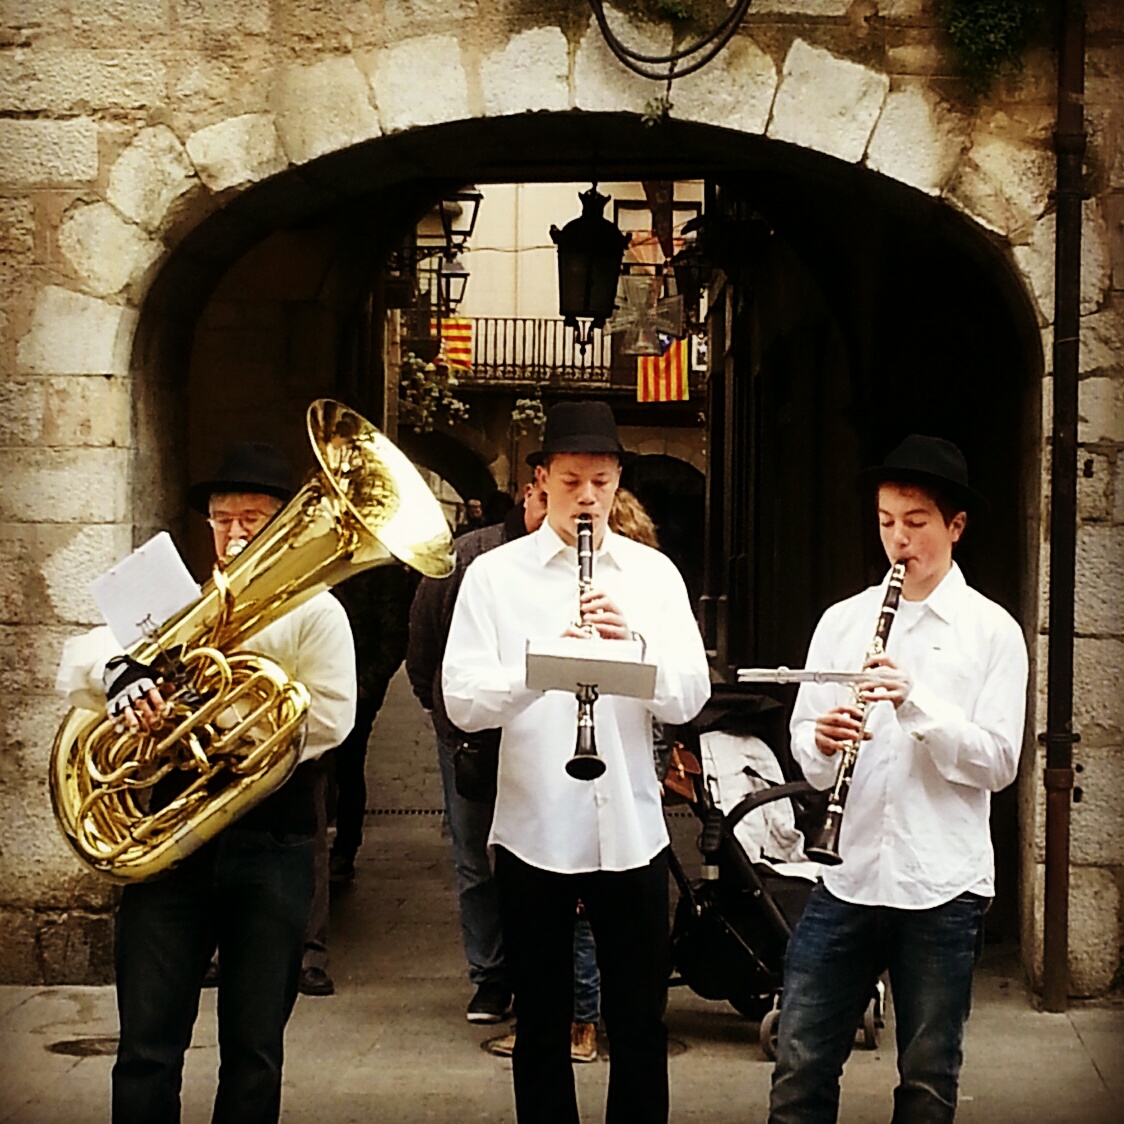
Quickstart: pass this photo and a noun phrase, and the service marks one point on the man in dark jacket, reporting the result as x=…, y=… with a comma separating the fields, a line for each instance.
x=469, y=820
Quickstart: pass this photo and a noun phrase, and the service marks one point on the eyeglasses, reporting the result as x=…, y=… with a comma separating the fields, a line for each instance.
x=249, y=520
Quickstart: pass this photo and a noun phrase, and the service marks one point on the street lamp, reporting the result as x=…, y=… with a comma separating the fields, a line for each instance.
x=458, y=218
x=452, y=279
x=590, y=249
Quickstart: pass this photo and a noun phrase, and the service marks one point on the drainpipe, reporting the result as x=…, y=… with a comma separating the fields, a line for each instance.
x=1069, y=145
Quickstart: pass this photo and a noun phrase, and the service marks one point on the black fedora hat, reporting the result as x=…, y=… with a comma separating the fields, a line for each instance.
x=579, y=427
x=248, y=466
x=929, y=462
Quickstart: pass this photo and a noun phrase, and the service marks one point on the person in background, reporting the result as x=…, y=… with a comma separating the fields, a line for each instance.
x=468, y=819
x=473, y=518
x=377, y=605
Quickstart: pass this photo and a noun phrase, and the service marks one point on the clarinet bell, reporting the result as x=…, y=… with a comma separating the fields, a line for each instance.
x=585, y=765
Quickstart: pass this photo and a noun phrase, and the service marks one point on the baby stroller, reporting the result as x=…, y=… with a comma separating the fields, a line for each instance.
x=732, y=924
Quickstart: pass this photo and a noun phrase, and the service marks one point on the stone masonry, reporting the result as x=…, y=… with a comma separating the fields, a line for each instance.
x=124, y=124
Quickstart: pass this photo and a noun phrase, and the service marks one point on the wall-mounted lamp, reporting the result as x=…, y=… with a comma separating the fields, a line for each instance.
x=458, y=218
x=452, y=280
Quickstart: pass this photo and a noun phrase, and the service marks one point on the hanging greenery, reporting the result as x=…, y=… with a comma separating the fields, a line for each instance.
x=679, y=10
x=989, y=36
x=527, y=416
x=427, y=395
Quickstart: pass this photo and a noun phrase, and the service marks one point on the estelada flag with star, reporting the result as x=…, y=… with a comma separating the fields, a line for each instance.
x=663, y=377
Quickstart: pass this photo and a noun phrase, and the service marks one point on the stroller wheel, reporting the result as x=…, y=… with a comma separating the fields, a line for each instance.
x=769, y=1030
x=752, y=1007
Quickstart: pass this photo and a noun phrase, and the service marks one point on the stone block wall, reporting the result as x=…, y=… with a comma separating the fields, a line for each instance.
x=127, y=127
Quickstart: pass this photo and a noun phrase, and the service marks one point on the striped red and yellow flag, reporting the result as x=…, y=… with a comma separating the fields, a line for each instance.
x=456, y=341
x=663, y=377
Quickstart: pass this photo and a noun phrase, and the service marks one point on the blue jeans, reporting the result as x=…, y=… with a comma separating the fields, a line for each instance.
x=247, y=893
x=835, y=956
x=587, y=980
x=470, y=821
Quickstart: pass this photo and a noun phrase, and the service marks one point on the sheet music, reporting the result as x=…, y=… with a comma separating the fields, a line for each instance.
x=144, y=590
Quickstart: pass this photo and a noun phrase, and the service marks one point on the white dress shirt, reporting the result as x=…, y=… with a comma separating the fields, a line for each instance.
x=915, y=831
x=312, y=644
x=528, y=590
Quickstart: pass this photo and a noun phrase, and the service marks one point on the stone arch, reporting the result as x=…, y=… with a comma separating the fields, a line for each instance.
x=142, y=244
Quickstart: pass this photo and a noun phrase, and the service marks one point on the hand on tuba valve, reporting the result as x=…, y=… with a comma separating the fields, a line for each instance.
x=226, y=725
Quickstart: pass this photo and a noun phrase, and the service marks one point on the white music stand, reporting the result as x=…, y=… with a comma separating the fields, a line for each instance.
x=614, y=667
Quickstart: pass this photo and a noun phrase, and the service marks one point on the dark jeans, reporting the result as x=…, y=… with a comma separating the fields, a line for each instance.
x=835, y=956
x=627, y=911
x=350, y=759
x=477, y=898
x=248, y=893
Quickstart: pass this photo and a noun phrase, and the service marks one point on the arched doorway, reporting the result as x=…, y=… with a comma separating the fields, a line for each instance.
x=866, y=309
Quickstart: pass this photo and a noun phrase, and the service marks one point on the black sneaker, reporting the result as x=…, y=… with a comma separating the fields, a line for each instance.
x=490, y=1004
x=341, y=869
x=315, y=981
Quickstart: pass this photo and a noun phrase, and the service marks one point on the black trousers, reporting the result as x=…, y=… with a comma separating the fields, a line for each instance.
x=350, y=775
x=248, y=892
x=628, y=913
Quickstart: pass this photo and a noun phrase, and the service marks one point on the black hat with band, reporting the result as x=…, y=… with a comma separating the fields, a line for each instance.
x=929, y=462
x=249, y=466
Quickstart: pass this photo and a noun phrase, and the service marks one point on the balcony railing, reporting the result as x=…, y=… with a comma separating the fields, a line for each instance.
x=513, y=350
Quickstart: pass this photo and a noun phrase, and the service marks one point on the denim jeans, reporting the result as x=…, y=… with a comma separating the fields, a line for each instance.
x=587, y=980
x=470, y=822
x=836, y=954
x=248, y=893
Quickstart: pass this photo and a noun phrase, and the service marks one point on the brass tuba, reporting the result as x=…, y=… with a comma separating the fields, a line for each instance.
x=235, y=720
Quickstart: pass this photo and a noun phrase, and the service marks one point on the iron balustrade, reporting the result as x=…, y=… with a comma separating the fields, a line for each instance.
x=523, y=349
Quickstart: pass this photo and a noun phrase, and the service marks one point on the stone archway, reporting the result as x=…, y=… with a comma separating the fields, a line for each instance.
x=153, y=215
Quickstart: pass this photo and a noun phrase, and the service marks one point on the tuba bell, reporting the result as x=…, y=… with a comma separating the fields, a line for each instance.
x=133, y=804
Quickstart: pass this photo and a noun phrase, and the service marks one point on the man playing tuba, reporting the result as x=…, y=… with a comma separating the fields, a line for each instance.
x=246, y=892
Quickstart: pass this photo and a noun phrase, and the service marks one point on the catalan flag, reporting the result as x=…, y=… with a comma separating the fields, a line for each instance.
x=663, y=377
x=456, y=341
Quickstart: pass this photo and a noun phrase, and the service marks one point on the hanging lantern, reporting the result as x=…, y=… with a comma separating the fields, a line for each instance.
x=590, y=249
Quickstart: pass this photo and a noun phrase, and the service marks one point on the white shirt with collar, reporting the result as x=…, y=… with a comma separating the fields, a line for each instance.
x=915, y=831
x=313, y=644
x=528, y=590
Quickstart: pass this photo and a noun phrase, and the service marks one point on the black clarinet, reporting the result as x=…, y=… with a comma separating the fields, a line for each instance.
x=585, y=765
x=826, y=848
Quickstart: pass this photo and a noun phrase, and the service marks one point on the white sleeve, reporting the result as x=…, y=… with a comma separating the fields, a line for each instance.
x=481, y=692
x=813, y=700
x=673, y=642
x=83, y=661
x=979, y=748
x=325, y=664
